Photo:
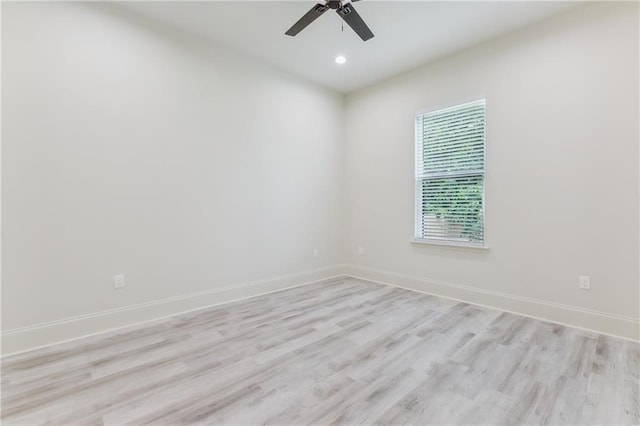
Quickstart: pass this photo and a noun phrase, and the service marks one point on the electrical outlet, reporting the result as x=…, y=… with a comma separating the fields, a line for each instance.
x=584, y=282
x=360, y=250
x=118, y=281
x=316, y=252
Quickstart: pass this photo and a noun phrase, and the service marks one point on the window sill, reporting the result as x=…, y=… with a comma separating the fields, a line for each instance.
x=452, y=244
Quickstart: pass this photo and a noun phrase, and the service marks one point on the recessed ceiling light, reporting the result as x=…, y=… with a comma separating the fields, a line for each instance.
x=340, y=59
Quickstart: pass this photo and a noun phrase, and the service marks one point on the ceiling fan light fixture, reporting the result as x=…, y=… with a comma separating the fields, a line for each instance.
x=340, y=59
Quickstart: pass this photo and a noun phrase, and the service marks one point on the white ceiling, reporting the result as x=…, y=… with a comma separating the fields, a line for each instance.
x=407, y=34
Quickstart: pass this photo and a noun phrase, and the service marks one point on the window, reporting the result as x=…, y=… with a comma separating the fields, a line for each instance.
x=450, y=175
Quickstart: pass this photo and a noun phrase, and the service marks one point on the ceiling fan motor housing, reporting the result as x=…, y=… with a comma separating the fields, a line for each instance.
x=334, y=4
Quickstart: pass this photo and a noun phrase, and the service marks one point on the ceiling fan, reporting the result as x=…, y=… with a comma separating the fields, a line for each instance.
x=346, y=11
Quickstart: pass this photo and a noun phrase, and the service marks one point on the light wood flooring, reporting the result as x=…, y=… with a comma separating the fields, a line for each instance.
x=340, y=352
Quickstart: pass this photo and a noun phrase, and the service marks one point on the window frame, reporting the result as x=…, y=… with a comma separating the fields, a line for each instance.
x=418, y=182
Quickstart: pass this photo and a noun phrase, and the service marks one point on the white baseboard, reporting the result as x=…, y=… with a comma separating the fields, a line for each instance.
x=28, y=338
x=40, y=335
x=599, y=322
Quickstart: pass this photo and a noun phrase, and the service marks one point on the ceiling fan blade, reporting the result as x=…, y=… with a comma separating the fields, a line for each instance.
x=351, y=17
x=308, y=18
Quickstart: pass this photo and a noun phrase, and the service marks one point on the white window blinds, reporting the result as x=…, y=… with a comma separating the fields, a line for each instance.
x=450, y=146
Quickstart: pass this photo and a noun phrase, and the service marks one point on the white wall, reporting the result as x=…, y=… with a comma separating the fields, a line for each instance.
x=128, y=148
x=562, y=172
